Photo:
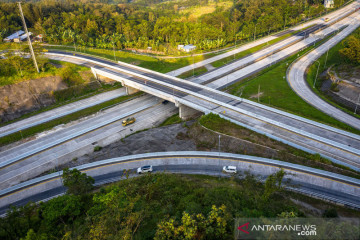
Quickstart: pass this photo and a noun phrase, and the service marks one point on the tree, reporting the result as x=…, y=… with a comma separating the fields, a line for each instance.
x=195, y=226
x=351, y=51
x=273, y=184
x=77, y=183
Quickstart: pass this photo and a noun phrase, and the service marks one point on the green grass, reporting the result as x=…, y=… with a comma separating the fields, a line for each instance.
x=334, y=58
x=146, y=61
x=196, y=72
x=50, y=70
x=249, y=51
x=171, y=120
x=277, y=93
x=65, y=119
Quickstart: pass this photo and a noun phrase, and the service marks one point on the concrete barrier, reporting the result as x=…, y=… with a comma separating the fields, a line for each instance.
x=255, y=165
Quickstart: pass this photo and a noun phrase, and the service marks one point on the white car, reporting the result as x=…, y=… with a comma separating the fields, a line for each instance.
x=144, y=169
x=229, y=169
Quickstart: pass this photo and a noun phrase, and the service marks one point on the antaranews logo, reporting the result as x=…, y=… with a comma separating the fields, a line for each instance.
x=296, y=228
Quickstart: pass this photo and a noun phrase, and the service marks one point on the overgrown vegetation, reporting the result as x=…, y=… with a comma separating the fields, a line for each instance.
x=62, y=120
x=171, y=120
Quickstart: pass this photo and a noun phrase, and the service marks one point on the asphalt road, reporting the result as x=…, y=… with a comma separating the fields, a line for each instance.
x=188, y=169
x=284, y=126
x=297, y=81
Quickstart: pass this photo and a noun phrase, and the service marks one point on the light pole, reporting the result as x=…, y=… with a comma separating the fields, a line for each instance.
x=327, y=54
x=316, y=73
x=219, y=144
x=255, y=31
x=114, y=51
x=193, y=64
x=357, y=104
x=28, y=37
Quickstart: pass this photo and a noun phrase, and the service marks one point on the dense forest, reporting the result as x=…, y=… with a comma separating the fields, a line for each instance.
x=156, y=23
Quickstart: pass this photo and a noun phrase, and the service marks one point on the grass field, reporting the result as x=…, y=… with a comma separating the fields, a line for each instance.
x=275, y=92
x=65, y=119
x=50, y=70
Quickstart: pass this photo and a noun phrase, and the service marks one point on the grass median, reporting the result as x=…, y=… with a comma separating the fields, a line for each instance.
x=249, y=51
x=62, y=120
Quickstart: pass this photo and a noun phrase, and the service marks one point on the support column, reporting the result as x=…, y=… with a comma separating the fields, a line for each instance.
x=186, y=112
x=131, y=90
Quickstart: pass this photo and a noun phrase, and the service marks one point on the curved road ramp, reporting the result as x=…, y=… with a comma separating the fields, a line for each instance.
x=314, y=182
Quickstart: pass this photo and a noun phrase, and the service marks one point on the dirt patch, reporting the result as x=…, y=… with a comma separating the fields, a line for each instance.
x=257, y=95
x=18, y=99
x=162, y=139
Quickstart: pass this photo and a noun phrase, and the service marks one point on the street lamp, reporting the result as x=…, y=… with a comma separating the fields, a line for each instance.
x=327, y=53
x=316, y=73
x=219, y=143
x=357, y=104
x=255, y=31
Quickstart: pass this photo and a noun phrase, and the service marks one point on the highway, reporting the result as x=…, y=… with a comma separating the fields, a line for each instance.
x=307, y=135
x=325, y=185
x=319, y=21
x=60, y=112
x=44, y=153
x=297, y=73
x=226, y=76
x=304, y=134
x=312, y=26
x=337, y=145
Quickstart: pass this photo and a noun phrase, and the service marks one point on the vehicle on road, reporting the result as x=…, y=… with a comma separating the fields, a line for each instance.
x=144, y=169
x=165, y=102
x=326, y=19
x=128, y=121
x=229, y=169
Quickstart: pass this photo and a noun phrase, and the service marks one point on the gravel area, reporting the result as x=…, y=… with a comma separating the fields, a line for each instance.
x=161, y=139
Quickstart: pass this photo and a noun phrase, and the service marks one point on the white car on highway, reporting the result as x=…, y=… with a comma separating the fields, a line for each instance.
x=229, y=169
x=144, y=169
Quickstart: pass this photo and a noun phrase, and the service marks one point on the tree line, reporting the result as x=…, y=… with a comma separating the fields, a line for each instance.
x=157, y=24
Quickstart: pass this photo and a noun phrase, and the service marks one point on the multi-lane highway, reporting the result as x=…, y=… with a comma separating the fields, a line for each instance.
x=316, y=22
x=325, y=185
x=60, y=112
x=33, y=158
x=297, y=77
x=304, y=134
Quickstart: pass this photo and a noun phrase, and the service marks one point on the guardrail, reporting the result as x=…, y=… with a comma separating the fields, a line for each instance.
x=326, y=141
x=236, y=109
x=189, y=154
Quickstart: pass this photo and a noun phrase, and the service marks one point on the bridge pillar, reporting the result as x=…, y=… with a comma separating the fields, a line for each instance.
x=186, y=112
x=131, y=90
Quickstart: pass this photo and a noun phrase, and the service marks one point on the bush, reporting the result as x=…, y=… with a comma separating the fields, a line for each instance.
x=97, y=148
x=330, y=213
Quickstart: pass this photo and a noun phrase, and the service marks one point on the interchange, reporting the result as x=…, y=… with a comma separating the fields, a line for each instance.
x=337, y=145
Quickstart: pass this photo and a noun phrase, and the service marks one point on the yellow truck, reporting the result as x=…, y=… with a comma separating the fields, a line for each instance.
x=326, y=19
x=128, y=121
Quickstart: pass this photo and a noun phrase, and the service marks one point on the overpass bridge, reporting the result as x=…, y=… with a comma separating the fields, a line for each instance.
x=191, y=98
